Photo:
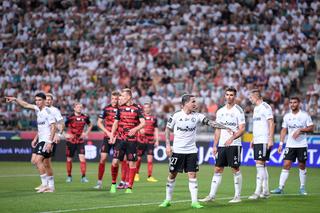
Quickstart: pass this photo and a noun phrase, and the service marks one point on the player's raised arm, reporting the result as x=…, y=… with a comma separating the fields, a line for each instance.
x=213, y=124
x=20, y=102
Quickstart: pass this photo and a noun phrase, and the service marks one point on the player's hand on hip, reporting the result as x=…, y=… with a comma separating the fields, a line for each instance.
x=280, y=149
x=132, y=132
x=168, y=151
x=296, y=134
x=228, y=142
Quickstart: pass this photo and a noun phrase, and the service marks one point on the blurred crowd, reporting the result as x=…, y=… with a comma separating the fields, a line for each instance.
x=81, y=50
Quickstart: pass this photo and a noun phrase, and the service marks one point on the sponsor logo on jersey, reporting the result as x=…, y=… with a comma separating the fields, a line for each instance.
x=187, y=129
x=295, y=126
x=229, y=123
x=257, y=119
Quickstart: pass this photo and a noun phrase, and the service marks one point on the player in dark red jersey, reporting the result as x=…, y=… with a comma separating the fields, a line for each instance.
x=105, y=122
x=75, y=136
x=147, y=140
x=128, y=121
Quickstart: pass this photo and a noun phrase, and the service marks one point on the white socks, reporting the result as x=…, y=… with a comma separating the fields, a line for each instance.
x=303, y=177
x=265, y=183
x=193, y=188
x=237, y=177
x=283, y=177
x=169, y=188
x=50, y=182
x=43, y=178
x=260, y=177
x=216, y=180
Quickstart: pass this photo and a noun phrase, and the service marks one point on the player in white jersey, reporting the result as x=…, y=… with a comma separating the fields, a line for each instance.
x=183, y=154
x=46, y=133
x=47, y=161
x=263, y=133
x=227, y=147
x=297, y=123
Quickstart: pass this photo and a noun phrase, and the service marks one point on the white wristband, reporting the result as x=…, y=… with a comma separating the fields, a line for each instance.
x=281, y=143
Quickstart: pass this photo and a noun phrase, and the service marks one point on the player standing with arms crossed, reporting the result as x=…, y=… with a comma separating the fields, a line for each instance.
x=298, y=123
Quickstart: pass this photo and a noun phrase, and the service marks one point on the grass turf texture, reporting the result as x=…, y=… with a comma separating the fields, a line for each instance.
x=17, y=180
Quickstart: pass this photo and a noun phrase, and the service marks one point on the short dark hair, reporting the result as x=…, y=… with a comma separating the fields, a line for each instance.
x=41, y=95
x=231, y=89
x=295, y=98
x=186, y=98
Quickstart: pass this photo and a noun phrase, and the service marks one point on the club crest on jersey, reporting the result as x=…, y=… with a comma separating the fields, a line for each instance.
x=79, y=119
x=193, y=120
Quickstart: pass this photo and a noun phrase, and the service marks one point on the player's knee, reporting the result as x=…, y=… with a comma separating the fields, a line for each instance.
x=287, y=166
x=302, y=165
x=218, y=170
x=192, y=175
x=172, y=176
x=235, y=169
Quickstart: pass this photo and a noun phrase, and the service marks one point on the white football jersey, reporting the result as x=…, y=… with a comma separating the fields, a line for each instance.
x=44, y=120
x=184, y=131
x=56, y=113
x=231, y=118
x=292, y=122
x=261, y=114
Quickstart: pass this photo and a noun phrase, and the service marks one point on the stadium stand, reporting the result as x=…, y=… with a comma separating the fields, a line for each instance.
x=82, y=50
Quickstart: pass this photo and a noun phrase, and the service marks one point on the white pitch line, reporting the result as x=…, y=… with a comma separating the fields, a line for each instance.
x=149, y=204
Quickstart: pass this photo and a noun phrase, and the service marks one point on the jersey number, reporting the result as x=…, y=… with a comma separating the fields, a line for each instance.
x=173, y=161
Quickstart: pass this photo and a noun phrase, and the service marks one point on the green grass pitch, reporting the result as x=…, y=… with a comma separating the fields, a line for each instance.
x=17, y=180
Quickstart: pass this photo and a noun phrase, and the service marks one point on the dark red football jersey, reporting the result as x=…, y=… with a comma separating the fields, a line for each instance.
x=128, y=117
x=75, y=124
x=151, y=124
x=108, y=114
